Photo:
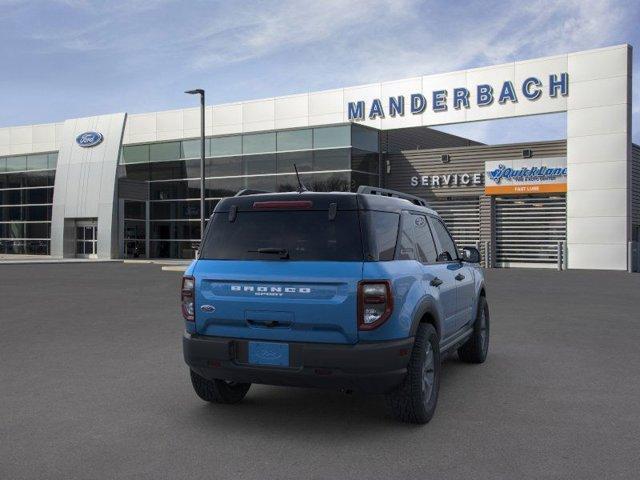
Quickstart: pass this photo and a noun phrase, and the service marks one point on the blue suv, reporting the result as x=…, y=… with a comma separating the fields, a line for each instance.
x=357, y=291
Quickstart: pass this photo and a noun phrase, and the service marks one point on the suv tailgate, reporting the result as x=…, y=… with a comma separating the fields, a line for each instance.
x=299, y=301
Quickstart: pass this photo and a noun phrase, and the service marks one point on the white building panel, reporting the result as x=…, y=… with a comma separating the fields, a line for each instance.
x=604, y=175
x=596, y=203
x=142, y=124
x=226, y=119
x=325, y=119
x=59, y=127
x=292, y=122
x=170, y=122
x=598, y=148
x=5, y=141
x=44, y=133
x=292, y=111
x=599, y=63
x=598, y=256
x=326, y=103
x=596, y=230
x=258, y=111
x=21, y=135
x=295, y=106
x=191, y=122
x=597, y=120
x=597, y=93
x=5, y=137
x=601, y=232
x=44, y=138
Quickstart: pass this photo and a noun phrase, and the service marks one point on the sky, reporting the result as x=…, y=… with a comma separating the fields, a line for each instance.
x=75, y=58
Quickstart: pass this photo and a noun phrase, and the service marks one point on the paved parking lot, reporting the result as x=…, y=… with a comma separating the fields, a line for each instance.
x=92, y=385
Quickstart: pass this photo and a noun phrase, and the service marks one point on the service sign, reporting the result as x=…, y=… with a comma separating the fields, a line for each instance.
x=524, y=176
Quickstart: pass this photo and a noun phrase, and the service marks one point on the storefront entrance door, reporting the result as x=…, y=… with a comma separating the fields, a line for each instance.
x=87, y=239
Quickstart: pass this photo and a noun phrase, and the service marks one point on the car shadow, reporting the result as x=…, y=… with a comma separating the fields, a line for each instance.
x=289, y=410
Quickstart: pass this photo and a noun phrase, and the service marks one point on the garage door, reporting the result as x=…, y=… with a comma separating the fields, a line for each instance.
x=462, y=217
x=528, y=230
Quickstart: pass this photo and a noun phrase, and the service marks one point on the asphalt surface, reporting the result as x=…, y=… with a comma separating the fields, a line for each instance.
x=92, y=385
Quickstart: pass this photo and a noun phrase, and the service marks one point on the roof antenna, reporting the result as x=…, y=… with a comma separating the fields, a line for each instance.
x=301, y=187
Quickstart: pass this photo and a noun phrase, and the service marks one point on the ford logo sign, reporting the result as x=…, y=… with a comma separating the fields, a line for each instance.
x=89, y=139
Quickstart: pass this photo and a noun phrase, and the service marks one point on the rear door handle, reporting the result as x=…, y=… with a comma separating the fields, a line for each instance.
x=459, y=277
x=436, y=282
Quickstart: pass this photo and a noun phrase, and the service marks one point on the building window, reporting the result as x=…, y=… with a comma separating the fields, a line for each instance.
x=26, y=196
x=257, y=161
x=302, y=160
x=225, y=146
x=365, y=138
x=259, y=143
x=332, y=137
x=162, y=152
x=135, y=154
x=295, y=140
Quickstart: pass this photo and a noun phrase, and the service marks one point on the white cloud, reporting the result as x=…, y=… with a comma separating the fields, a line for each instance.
x=259, y=32
x=310, y=45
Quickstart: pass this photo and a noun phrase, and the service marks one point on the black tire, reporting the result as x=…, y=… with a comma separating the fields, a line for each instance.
x=476, y=348
x=415, y=400
x=218, y=391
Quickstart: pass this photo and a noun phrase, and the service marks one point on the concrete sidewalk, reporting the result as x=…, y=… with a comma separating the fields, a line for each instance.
x=173, y=265
x=36, y=259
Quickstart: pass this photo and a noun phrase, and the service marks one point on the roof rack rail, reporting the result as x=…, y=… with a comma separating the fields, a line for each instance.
x=385, y=192
x=248, y=191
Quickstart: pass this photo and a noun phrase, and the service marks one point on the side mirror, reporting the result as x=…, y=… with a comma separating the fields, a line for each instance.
x=471, y=255
x=444, y=257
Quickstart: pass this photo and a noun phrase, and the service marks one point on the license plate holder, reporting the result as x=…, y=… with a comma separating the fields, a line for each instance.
x=269, y=353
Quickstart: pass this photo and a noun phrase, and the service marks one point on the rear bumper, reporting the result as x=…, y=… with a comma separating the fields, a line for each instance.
x=375, y=367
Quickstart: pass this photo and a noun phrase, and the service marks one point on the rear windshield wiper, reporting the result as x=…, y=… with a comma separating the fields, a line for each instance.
x=283, y=252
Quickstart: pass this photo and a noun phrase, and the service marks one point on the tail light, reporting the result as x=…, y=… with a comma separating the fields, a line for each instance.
x=375, y=303
x=274, y=204
x=187, y=298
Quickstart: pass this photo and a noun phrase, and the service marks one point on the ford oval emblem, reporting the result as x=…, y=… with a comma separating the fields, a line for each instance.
x=89, y=139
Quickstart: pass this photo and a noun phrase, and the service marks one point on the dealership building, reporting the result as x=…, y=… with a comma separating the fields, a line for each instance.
x=127, y=185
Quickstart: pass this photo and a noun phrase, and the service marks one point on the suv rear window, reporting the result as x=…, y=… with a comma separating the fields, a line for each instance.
x=302, y=234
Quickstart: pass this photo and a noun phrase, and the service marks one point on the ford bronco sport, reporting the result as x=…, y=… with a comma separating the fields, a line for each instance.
x=357, y=291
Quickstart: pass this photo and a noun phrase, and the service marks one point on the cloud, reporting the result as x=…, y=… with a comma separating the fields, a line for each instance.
x=267, y=47
x=284, y=25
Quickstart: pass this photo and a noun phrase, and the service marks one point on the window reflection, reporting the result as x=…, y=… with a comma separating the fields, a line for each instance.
x=233, y=163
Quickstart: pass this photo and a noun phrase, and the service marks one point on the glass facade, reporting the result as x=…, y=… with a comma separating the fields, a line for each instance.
x=26, y=196
x=336, y=158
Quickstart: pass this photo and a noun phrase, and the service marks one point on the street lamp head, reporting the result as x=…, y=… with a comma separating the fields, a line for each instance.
x=198, y=91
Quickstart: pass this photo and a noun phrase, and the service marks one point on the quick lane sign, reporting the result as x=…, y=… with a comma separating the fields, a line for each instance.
x=482, y=95
x=513, y=177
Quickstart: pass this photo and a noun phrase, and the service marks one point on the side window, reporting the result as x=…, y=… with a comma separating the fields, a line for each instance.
x=406, y=248
x=424, y=241
x=384, y=232
x=446, y=246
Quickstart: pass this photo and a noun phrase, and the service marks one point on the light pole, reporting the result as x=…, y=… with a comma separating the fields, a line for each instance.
x=200, y=91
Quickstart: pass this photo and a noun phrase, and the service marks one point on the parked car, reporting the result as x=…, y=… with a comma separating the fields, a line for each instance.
x=357, y=291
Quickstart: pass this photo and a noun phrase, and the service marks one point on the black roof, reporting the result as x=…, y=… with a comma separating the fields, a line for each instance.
x=321, y=201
